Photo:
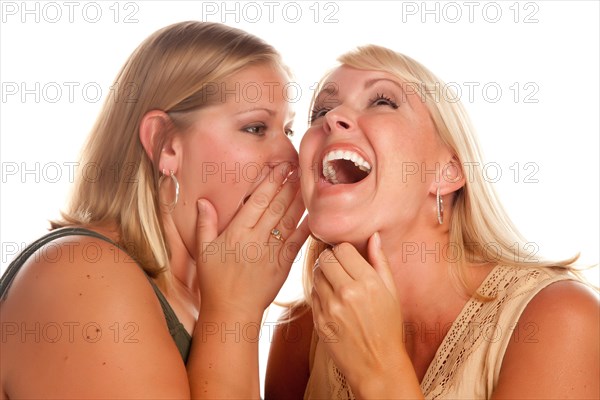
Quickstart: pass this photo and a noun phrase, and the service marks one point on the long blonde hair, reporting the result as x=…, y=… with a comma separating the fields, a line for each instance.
x=478, y=220
x=173, y=71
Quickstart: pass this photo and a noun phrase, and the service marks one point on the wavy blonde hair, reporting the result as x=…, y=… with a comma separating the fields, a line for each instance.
x=478, y=218
x=173, y=70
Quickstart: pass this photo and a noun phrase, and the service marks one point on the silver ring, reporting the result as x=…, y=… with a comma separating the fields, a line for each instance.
x=276, y=233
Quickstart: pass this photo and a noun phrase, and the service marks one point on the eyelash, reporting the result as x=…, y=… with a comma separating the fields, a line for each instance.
x=250, y=129
x=316, y=112
x=387, y=99
x=262, y=129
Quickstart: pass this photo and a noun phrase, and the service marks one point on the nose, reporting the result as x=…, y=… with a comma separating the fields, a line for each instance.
x=337, y=119
x=284, y=150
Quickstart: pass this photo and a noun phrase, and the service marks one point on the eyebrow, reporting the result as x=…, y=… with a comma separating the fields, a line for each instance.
x=268, y=110
x=272, y=113
x=372, y=82
x=330, y=88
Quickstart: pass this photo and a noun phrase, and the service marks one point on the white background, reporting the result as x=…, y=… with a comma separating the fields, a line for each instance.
x=547, y=50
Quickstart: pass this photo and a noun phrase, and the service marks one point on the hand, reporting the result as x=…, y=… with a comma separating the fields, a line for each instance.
x=242, y=269
x=358, y=316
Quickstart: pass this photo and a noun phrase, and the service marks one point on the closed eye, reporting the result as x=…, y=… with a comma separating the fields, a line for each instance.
x=317, y=113
x=383, y=100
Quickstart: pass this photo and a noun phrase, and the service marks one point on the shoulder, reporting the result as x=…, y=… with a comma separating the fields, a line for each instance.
x=567, y=299
x=84, y=309
x=77, y=268
x=566, y=307
x=555, y=344
x=288, y=367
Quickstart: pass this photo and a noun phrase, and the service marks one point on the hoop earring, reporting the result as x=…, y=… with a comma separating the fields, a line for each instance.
x=170, y=206
x=440, y=207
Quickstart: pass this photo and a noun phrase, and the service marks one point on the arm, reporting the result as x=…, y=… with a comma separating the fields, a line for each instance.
x=561, y=359
x=240, y=273
x=87, y=329
x=288, y=366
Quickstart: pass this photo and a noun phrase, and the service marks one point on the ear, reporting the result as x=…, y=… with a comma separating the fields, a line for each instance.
x=160, y=147
x=451, y=177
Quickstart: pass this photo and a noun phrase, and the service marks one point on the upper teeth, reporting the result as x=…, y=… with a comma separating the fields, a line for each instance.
x=328, y=170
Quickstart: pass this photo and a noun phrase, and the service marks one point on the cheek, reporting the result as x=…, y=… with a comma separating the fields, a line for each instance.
x=309, y=168
x=218, y=172
x=232, y=173
x=310, y=144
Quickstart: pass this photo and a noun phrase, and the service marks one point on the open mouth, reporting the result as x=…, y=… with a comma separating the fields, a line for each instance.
x=344, y=167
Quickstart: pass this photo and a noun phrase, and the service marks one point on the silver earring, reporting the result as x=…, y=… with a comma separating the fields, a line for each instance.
x=170, y=206
x=440, y=206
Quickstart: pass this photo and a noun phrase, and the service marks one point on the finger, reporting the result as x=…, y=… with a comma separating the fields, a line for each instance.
x=206, y=225
x=351, y=260
x=293, y=244
x=259, y=201
x=279, y=205
x=316, y=306
x=332, y=270
x=380, y=262
x=288, y=223
x=321, y=286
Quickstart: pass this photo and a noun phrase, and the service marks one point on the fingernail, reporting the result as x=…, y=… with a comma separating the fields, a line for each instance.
x=377, y=240
x=316, y=265
x=287, y=168
x=293, y=176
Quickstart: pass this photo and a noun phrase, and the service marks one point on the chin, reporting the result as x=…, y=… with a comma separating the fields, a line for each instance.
x=337, y=230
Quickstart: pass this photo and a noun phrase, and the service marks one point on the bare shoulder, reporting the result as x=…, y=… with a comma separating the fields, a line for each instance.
x=85, y=310
x=76, y=273
x=560, y=358
x=288, y=366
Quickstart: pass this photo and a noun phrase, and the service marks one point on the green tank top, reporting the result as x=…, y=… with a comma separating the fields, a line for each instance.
x=182, y=338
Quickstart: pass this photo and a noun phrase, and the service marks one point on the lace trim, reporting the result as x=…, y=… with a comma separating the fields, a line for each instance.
x=338, y=387
x=472, y=329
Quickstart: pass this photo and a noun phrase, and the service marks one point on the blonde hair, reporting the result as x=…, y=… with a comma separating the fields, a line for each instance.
x=173, y=71
x=478, y=219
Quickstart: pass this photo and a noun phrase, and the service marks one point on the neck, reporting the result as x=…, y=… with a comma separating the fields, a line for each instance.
x=425, y=274
x=182, y=264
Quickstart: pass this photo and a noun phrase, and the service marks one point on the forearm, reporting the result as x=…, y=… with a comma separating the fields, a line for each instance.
x=223, y=360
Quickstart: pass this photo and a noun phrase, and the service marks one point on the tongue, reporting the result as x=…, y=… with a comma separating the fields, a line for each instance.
x=347, y=172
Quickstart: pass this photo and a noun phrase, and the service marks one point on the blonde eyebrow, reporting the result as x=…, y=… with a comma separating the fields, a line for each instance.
x=371, y=82
x=268, y=110
x=271, y=113
x=331, y=89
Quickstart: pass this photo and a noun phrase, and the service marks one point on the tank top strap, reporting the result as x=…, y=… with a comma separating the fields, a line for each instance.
x=17, y=263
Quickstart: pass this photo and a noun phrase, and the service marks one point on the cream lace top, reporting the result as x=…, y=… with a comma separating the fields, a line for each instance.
x=467, y=363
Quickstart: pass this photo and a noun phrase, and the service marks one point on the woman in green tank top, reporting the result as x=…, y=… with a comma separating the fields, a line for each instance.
x=179, y=242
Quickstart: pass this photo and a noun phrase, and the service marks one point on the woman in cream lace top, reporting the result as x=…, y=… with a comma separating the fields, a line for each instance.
x=418, y=284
